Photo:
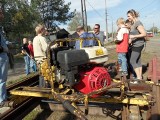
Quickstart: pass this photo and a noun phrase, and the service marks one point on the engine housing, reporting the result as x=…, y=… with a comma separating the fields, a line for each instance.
x=93, y=79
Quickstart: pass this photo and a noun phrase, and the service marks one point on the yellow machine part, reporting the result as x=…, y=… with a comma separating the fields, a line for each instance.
x=46, y=71
x=134, y=101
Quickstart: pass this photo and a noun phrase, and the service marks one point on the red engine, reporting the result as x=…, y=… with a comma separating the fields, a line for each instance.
x=93, y=79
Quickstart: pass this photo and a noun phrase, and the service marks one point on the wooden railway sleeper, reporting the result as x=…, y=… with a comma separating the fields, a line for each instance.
x=7, y=104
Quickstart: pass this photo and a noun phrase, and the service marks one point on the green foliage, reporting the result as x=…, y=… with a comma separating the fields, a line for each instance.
x=22, y=17
x=76, y=21
x=89, y=28
x=154, y=29
x=55, y=11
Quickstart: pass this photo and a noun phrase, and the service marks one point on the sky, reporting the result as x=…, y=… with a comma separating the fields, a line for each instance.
x=149, y=11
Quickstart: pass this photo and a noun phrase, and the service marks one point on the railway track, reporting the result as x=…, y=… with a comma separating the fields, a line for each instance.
x=21, y=105
x=26, y=104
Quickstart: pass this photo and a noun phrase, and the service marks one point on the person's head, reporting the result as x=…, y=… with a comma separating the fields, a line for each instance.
x=96, y=28
x=120, y=21
x=25, y=40
x=29, y=42
x=132, y=15
x=80, y=30
x=1, y=13
x=128, y=24
x=40, y=29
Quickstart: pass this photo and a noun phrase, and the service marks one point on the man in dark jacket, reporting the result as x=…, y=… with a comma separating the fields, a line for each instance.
x=26, y=53
x=3, y=66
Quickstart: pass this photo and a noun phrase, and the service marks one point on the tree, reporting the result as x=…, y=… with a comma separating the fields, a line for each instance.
x=21, y=17
x=76, y=21
x=89, y=28
x=154, y=29
x=55, y=11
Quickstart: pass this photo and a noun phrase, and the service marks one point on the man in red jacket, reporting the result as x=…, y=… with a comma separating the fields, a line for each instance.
x=32, y=62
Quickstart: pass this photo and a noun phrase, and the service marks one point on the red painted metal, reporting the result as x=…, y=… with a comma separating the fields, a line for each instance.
x=93, y=79
x=154, y=69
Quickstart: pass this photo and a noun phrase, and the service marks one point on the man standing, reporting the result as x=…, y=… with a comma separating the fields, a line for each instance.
x=26, y=53
x=98, y=34
x=32, y=62
x=3, y=66
x=82, y=34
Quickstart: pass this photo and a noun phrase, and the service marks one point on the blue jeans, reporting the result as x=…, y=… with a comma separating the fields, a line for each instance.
x=122, y=60
x=27, y=64
x=3, y=75
x=33, y=65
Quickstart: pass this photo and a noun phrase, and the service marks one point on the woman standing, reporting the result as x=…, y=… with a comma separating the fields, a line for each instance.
x=137, y=34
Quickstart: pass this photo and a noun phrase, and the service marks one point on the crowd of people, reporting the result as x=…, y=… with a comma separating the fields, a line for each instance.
x=130, y=42
x=27, y=51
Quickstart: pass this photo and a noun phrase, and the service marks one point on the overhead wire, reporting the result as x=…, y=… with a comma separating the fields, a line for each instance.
x=148, y=5
x=95, y=10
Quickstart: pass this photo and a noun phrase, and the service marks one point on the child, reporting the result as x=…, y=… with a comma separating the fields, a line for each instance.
x=122, y=45
x=130, y=68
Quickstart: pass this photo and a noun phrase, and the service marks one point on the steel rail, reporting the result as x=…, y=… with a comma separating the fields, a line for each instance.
x=27, y=81
x=21, y=107
x=21, y=110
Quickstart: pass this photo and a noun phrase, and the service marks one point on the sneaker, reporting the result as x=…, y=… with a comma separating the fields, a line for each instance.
x=125, y=73
x=134, y=82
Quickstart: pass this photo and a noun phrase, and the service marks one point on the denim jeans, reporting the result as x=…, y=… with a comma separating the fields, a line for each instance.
x=33, y=65
x=122, y=60
x=3, y=75
x=27, y=64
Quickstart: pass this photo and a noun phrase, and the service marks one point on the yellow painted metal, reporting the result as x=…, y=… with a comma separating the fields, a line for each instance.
x=99, y=52
x=61, y=43
x=133, y=101
x=46, y=71
x=66, y=91
x=116, y=81
x=147, y=82
x=30, y=93
x=89, y=38
x=61, y=86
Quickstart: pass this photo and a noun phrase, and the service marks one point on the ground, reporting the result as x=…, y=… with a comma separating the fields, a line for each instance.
x=152, y=49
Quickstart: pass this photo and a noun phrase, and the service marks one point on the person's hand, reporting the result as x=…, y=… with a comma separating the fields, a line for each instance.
x=54, y=46
x=130, y=41
x=23, y=52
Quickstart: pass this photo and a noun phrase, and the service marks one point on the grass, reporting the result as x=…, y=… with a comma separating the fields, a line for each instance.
x=15, y=81
x=33, y=114
x=21, y=78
